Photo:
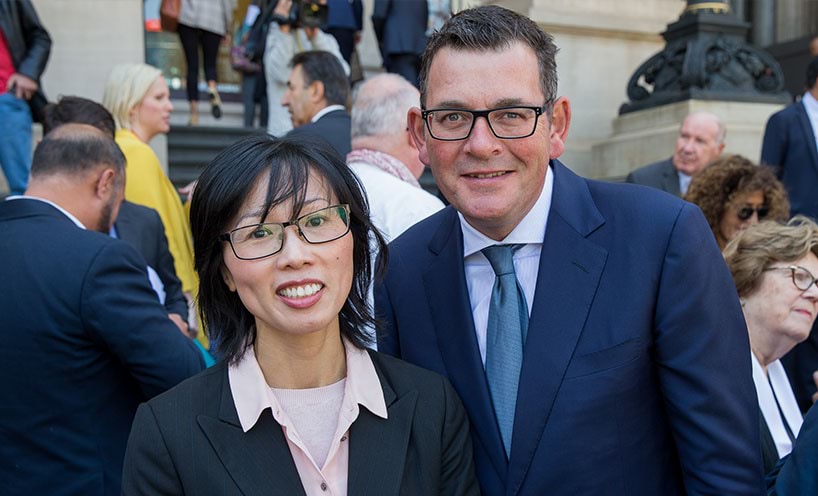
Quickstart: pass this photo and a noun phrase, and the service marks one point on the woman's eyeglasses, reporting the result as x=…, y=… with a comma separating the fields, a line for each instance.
x=262, y=240
x=801, y=277
x=746, y=212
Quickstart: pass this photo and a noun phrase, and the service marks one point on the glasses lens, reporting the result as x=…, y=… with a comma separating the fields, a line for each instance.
x=450, y=124
x=762, y=212
x=745, y=213
x=257, y=241
x=802, y=278
x=513, y=122
x=326, y=224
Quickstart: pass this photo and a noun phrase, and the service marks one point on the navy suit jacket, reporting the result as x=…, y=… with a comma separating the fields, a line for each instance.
x=789, y=144
x=83, y=342
x=334, y=128
x=797, y=473
x=142, y=228
x=636, y=375
x=660, y=175
x=400, y=26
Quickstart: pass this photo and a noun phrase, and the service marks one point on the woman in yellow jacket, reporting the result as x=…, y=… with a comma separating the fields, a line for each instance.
x=139, y=99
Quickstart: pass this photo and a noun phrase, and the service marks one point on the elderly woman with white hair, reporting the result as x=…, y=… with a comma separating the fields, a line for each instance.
x=138, y=98
x=774, y=267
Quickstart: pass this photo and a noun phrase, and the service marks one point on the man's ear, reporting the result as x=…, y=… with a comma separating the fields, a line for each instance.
x=560, y=122
x=317, y=91
x=417, y=131
x=105, y=183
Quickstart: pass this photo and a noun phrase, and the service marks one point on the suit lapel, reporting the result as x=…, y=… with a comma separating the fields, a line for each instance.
x=671, y=179
x=378, y=447
x=448, y=299
x=258, y=461
x=569, y=273
x=809, y=135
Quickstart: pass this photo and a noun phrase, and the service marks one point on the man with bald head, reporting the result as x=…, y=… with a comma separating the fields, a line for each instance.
x=84, y=340
x=384, y=156
x=700, y=141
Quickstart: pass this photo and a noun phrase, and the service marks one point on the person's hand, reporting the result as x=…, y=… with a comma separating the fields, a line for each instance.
x=187, y=190
x=180, y=323
x=356, y=38
x=24, y=87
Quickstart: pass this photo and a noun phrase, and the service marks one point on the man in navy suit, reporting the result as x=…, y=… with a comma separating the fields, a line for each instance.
x=83, y=339
x=316, y=97
x=400, y=27
x=634, y=374
x=790, y=142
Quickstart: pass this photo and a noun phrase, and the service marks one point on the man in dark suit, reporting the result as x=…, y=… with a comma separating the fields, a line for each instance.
x=617, y=360
x=700, y=141
x=344, y=23
x=317, y=92
x=400, y=27
x=84, y=340
x=790, y=144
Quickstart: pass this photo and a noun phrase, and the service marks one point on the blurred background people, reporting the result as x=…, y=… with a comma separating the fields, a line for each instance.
x=791, y=145
x=316, y=98
x=735, y=193
x=700, y=141
x=400, y=27
x=137, y=225
x=84, y=340
x=24, y=49
x=254, y=84
x=297, y=405
x=774, y=267
x=203, y=23
x=345, y=24
x=384, y=155
x=283, y=42
x=138, y=98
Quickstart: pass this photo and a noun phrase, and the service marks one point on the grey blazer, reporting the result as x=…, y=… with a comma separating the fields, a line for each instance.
x=189, y=441
x=660, y=175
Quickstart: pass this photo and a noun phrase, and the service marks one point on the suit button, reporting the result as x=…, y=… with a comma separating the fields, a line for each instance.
x=323, y=486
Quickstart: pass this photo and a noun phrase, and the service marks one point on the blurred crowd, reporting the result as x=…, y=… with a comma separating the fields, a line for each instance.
x=654, y=337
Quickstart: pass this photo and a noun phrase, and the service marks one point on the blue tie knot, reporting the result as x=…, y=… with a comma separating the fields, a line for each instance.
x=501, y=258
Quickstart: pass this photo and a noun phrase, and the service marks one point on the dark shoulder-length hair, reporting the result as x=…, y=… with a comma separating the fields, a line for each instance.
x=223, y=186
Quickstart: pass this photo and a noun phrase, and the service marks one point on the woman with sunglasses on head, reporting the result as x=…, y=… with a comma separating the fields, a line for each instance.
x=297, y=405
x=774, y=267
x=734, y=193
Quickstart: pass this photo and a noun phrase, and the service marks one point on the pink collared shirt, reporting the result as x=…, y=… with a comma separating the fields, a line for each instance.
x=252, y=395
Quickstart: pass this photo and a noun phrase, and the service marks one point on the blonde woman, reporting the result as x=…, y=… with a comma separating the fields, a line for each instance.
x=138, y=98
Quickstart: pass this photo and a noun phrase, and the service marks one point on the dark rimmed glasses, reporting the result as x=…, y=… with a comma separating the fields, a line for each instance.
x=801, y=277
x=262, y=240
x=453, y=124
x=747, y=211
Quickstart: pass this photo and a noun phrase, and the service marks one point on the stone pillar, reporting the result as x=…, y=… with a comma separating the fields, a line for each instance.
x=763, y=21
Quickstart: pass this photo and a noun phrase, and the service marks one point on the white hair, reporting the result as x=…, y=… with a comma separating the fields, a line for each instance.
x=380, y=106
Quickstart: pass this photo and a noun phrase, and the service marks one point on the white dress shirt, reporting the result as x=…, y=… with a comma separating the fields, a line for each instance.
x=479, y=274
x=777, y=387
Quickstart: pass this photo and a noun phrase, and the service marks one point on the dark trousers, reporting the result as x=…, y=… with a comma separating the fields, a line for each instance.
x=405, y=64
x=346, y=41
x=253, y=91
x=191, y=39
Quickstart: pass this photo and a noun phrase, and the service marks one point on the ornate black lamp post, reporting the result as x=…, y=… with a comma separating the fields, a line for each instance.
x=706, y=57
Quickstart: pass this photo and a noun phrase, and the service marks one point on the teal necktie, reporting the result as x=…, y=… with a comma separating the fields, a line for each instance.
x=505, y=335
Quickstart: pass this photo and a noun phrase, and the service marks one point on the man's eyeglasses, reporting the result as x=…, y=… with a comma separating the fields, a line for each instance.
x=801, y=277
x=262, y=240
x=746, y=212
x=504, y=122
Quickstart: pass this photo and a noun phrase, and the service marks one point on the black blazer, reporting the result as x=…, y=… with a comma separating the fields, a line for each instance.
x=334, y=128
x=142, y=228
x=189, y=441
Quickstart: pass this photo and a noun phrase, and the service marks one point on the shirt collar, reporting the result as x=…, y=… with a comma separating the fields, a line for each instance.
x=326, y=110
x=530, y=230
x=251, y=394
x=810, y=103
x=62, y=210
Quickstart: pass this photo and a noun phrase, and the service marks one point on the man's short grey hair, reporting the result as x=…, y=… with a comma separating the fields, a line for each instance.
x=380, y=106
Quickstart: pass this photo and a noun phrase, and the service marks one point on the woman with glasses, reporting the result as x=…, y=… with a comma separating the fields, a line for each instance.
x=297, y=405
x=774, y=267
x=735, y=193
